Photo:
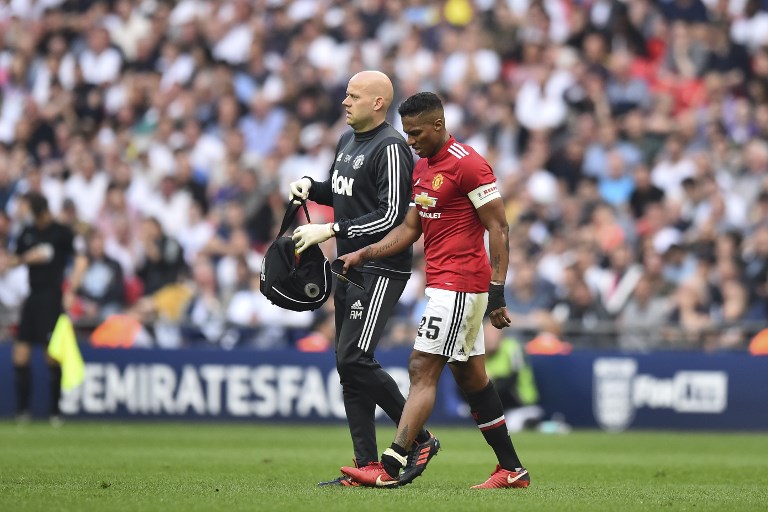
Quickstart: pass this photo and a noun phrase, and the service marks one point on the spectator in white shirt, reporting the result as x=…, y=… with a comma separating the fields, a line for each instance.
x=87, y=188
x=196, y=234
x=176, y=67
x=751, y=28
x=355, y=46
x=123, y=245
x=205, y=315
x=472, y=63
x=169, y=205
x=189, y=11
x=127, y=28
x=238, y=248
x=14, y=70
x=34, y=180
x=115, y=208
x=414, y=61
x=207, y=152
x=233, y=46
x=58, y=64
x=673, y=168
x=14, y=288
x=540, y=103
x=160, y=159
x=100, y=63
x=309, y=158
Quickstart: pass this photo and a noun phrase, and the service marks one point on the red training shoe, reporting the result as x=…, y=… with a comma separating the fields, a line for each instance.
x=372, y=475
x=502, y=478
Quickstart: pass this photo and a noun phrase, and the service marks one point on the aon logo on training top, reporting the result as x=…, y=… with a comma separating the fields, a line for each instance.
x=341, y=184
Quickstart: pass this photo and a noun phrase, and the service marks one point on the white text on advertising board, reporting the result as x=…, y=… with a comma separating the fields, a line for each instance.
x=619, y=390
x=263, y=391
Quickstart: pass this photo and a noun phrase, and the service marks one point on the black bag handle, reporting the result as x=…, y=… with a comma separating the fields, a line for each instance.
x=290, y=214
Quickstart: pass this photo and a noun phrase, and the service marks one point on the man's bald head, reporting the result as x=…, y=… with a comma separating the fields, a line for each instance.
x=377, y=84
x=369, y=95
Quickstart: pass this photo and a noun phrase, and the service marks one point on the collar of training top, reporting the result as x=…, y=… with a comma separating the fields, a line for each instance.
x=370, y=133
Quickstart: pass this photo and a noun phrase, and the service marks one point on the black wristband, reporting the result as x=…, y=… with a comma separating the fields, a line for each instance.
x=495, y=298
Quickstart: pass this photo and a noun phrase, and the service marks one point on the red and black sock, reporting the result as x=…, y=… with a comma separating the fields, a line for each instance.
x=488, y=413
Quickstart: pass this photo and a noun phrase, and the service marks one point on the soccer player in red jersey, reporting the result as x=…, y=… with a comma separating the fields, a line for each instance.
x=455, y=200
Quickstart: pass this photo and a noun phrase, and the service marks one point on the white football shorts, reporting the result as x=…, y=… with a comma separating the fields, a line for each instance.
x=452, y=324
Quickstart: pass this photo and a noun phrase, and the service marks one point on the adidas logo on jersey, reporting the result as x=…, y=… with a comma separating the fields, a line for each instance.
x=356, y=312
x=457, y=151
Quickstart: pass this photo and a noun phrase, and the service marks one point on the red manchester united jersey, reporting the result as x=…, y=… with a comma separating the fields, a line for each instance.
x=447, y=190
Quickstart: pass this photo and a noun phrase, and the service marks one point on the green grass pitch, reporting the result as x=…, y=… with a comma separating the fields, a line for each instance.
x=205, y=466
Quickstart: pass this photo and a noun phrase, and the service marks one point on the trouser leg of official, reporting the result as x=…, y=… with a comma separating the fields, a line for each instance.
x=54, y=388
x=22, y=376
x=361, y=316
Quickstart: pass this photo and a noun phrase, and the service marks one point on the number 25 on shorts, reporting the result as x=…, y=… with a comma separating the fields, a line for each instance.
x=432, y=328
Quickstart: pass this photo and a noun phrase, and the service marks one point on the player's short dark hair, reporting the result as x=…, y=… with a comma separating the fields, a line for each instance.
x=37, y=202
x=420, y=103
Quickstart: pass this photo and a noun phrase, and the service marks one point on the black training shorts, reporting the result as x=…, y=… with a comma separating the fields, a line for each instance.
x=39, y=314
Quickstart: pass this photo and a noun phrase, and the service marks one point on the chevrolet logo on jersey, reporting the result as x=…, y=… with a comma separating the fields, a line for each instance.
x=424, y=200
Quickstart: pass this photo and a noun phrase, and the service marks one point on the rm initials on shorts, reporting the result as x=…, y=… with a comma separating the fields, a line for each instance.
x=357, y=311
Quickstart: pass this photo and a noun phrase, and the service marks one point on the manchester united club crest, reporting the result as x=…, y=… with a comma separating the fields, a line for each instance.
x=358, y=163
x=437, y=182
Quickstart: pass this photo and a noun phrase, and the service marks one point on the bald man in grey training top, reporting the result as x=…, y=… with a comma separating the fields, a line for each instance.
x=369, y=188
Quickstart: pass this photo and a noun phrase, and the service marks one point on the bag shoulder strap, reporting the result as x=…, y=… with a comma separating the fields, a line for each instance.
x=290, y=214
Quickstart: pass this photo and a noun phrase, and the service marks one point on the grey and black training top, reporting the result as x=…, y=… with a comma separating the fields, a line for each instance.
x=369, y=188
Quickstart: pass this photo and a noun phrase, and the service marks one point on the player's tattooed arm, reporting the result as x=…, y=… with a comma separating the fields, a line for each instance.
x=493, y=217
x=373, y=251
x=496, y=264
x=497, y=269
x=397, y=240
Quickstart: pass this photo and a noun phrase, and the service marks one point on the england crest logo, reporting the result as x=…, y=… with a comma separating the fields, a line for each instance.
x=612, y=401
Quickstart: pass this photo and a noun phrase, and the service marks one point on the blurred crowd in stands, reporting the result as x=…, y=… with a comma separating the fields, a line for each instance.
x=630, y=139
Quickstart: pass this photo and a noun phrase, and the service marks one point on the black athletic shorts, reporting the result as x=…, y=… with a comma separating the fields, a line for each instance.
x=39, y=314
x=361, y=315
